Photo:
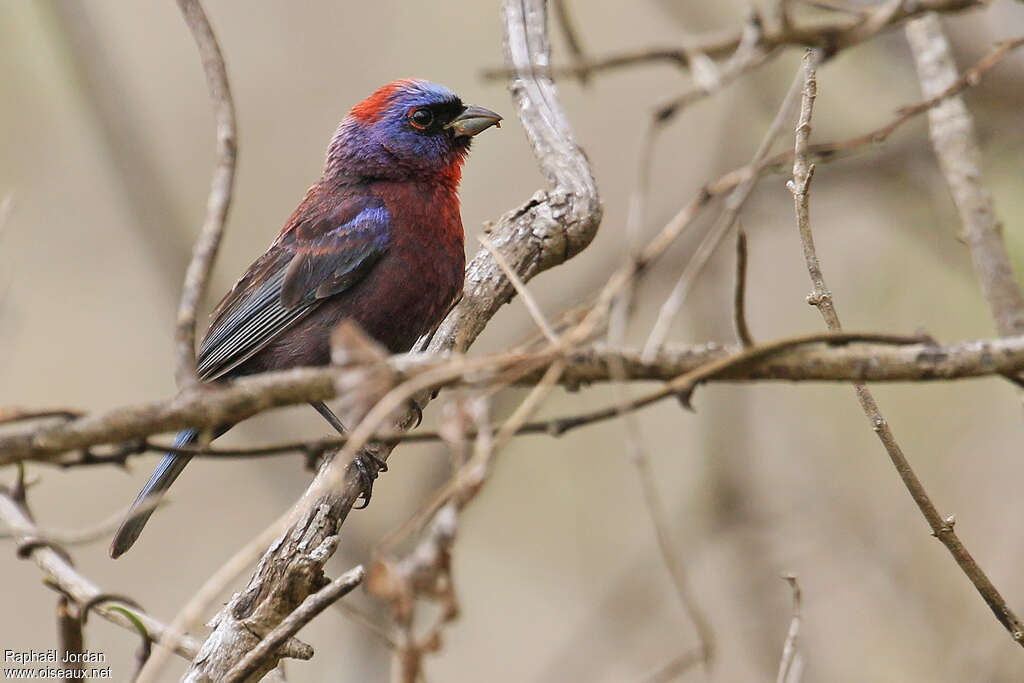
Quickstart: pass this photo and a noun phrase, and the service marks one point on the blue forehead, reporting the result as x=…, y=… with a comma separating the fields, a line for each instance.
x=419, y=92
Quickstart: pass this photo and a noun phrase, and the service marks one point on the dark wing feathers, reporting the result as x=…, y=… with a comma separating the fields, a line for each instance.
x=328, y=262
x=318, y=258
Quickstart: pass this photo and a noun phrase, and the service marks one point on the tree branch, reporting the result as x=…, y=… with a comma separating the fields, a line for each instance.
x=831, y=37
x=952, y=133
x=56, y=567
x=821, y=298
x=243, y=398
x=257, y=658
x=205, y=251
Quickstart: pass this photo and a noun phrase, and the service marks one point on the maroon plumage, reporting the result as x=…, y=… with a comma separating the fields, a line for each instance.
x=377, y=240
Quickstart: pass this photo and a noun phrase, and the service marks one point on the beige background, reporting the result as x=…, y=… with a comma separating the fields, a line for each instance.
x=107, y=147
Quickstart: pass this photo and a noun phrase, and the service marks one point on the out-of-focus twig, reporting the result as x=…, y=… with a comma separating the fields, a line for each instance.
x=830, y=36
x=821, y=298
x=205, y=251
x=571, y=35
x=733, y=205
x=55, y=565
x=829, y=151
x=674, y=668
x=69, y=634
x=11, y=414
x=790, y=661
x=524, y=293
x=956, y=146
x=72, y=537
x=667, y=549
x=739, y=297
x=144, y=189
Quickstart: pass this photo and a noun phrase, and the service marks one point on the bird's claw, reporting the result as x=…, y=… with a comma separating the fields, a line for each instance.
x=415, y=408
x=367, y=474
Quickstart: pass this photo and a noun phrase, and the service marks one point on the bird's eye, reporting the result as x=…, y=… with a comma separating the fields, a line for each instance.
x=421, y=118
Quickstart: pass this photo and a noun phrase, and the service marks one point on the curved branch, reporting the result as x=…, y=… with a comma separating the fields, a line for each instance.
x=219, y=201
x=55, y=565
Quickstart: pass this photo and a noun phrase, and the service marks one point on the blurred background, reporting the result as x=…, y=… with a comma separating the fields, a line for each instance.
x=107, y=147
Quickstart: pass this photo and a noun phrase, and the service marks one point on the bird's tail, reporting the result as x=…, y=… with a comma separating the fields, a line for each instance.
x=149, y=497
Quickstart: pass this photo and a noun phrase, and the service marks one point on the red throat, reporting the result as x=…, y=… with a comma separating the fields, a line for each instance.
x=374, y=106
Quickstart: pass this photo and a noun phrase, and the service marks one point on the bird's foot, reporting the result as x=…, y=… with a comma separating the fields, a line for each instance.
x=369, y=466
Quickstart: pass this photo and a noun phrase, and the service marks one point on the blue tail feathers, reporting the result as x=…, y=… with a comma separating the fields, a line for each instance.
x=166, y=472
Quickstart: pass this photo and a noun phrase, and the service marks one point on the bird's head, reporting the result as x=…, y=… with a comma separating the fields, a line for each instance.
x=407, y=129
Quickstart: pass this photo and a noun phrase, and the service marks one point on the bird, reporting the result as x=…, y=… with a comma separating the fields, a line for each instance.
x=377, y=240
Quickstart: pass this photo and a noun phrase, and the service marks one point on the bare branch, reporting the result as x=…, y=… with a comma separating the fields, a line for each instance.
x=830, y=151
x=956, y=146
x=831, y=37
x=838, y=361
x=205, y=251
x=55, y=565
x=821, y=297
x=733, y=205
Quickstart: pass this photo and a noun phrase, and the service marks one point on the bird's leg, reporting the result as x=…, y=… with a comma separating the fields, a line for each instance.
x=329, y=415
x=367, y=470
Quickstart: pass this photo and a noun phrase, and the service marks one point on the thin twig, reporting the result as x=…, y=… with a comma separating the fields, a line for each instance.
x=739, y=297
x=205, y=251
x=367, y=622
x=830, y=151
x=821, y=297
x=11, y=415
x=571, y=35
x=831, y=36
x=55, y=565
x=790, y=656
x=86, y=535
x=675, y=667
x=733, y=205
x=69, y=633
x=634, y=446
x=528, y=299
x=669, y=553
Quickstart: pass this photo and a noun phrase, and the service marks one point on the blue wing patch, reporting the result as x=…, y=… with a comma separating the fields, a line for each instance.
x=314, y=259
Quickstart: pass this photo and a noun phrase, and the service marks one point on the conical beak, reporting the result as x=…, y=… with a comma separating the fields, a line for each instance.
x=473, y=120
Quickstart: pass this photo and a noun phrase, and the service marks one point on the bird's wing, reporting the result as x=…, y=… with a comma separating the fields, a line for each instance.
x=314, y=259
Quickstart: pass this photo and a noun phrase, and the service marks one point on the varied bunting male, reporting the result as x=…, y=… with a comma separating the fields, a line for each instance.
x=378, y=240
